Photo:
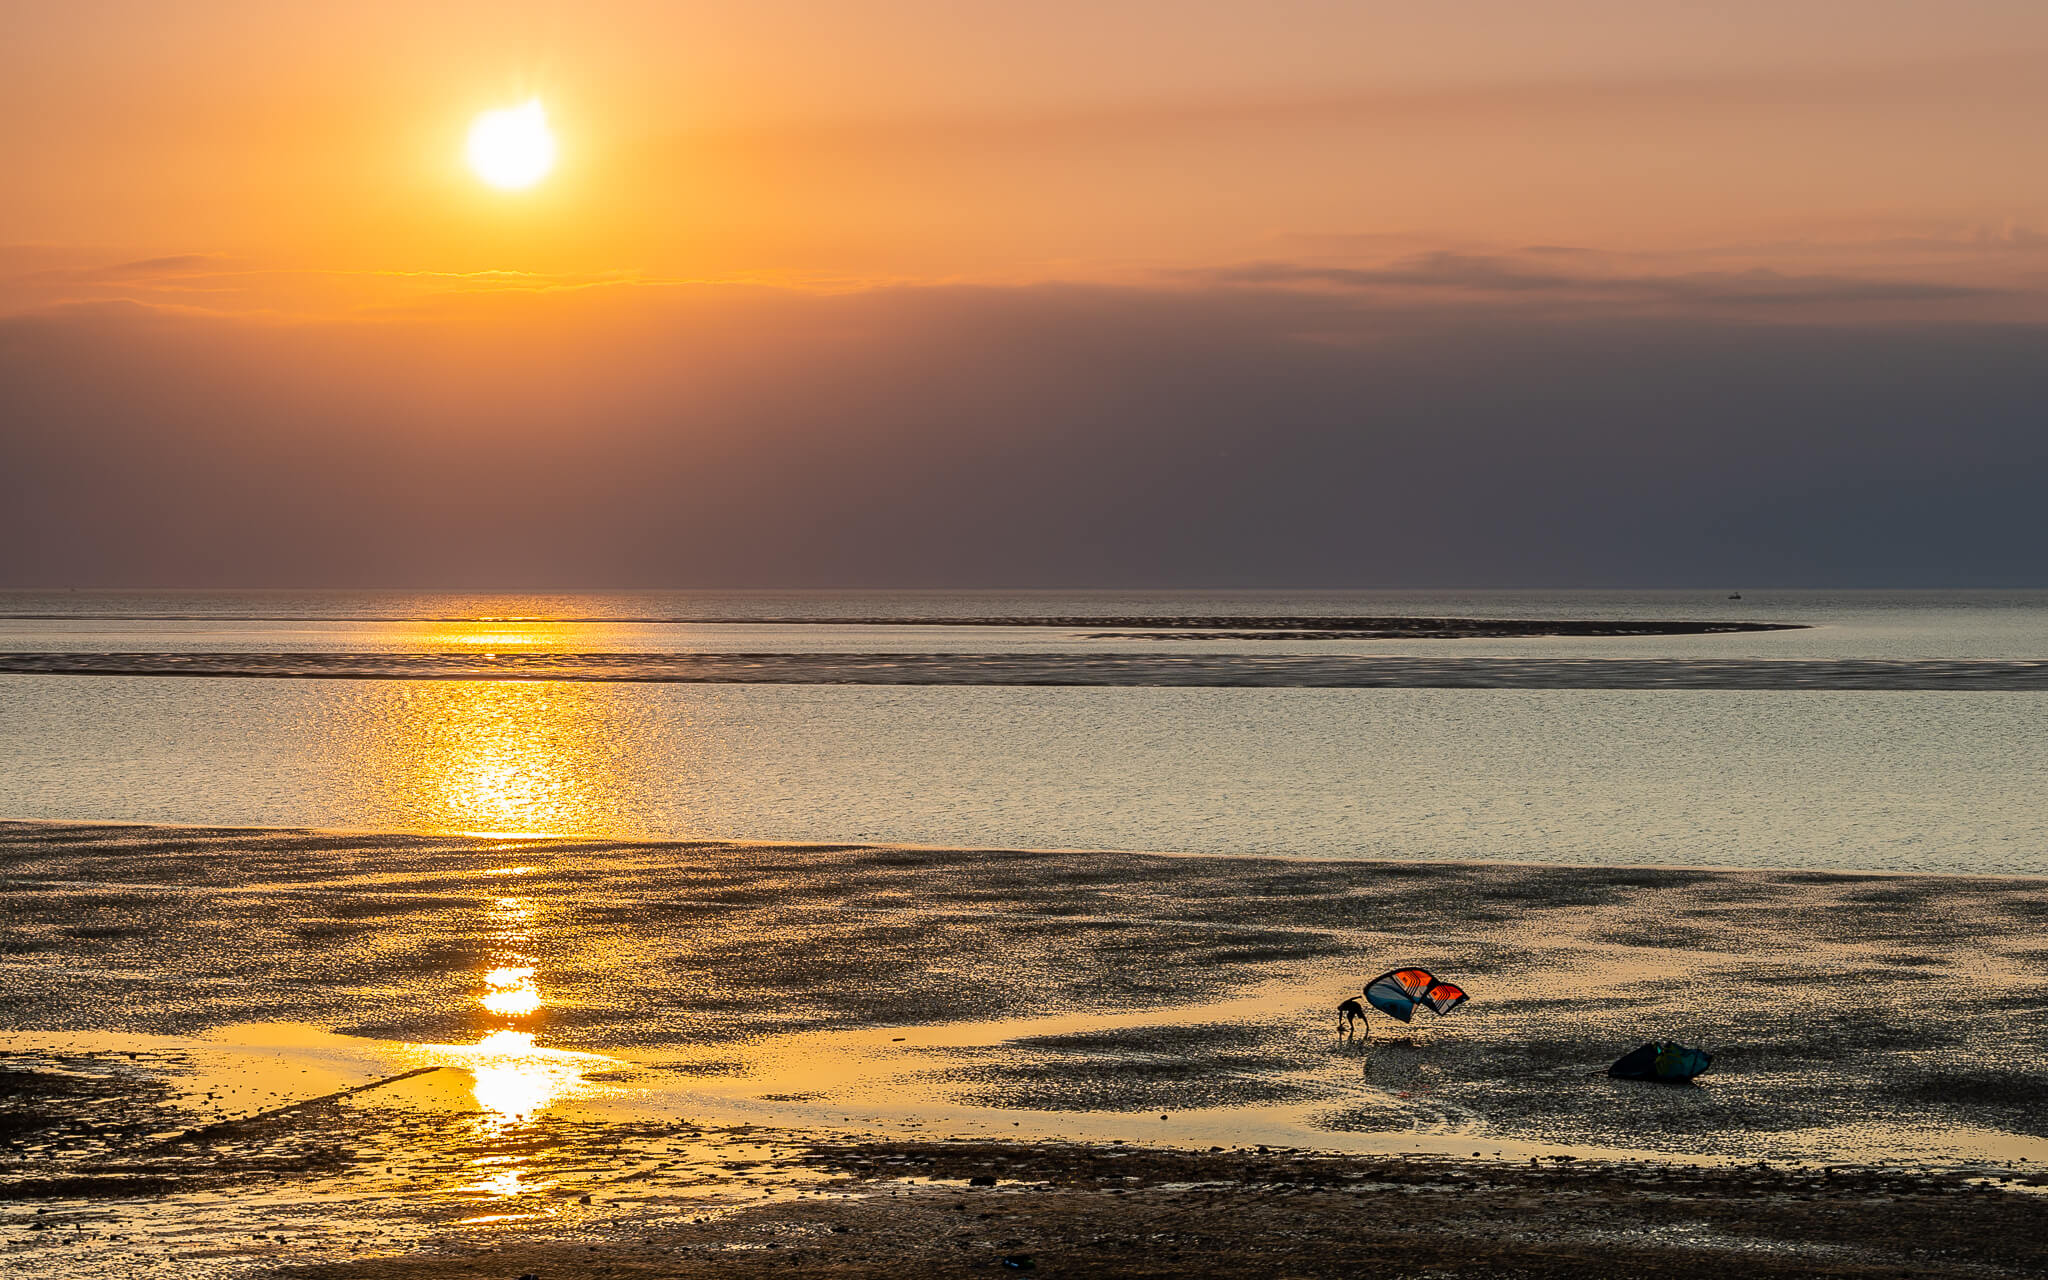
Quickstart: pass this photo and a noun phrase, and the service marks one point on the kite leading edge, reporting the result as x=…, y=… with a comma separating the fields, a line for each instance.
x=1397, y=992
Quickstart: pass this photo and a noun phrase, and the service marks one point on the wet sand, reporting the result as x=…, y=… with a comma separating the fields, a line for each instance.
x=783, y=1040
x=909, y=1210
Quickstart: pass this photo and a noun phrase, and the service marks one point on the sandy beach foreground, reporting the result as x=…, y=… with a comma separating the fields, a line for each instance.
x=649, y=1058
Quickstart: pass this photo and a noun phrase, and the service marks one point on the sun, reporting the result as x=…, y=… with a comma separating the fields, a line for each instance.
x=512, y=148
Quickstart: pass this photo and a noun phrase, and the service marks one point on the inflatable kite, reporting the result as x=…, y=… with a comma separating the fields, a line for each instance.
x=1397, y=993
x=1663, y=1061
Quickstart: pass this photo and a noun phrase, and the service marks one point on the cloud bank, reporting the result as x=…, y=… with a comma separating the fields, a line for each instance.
x=1276, y=424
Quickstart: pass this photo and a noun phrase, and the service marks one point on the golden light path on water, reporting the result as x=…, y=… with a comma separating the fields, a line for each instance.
x=513, y=1078
x=497, y=758
x=512, y=992
x=500, y=758
x=494, y=757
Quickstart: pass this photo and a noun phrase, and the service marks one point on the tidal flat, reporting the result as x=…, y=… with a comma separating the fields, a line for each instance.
x=651, y=1058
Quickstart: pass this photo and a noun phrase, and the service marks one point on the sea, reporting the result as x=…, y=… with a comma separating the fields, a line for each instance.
x=1884, y=731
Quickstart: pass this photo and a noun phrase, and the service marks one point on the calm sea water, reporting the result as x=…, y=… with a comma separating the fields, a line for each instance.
x=1902, y=779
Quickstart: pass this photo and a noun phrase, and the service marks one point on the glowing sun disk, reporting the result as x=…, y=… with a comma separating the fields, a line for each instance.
x=512, y=148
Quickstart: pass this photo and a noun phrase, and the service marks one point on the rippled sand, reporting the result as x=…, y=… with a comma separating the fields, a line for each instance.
x=604, y=1018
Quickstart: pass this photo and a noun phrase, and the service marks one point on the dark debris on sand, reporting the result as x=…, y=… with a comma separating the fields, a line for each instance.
x=909, y=1210
x=86, y=1133
x=100, y=1126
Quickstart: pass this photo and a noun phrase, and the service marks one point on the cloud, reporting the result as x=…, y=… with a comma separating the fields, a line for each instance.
x=221, y=285
x=177, y=264
x=1758, y=287
x=1053, y=435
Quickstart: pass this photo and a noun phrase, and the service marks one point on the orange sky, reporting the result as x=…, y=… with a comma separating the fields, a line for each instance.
x=931, y=292
x=900, y=140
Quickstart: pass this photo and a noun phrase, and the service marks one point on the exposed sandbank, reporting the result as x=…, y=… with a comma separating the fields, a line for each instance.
x=1251, y=624
x=1858, y=1021
x=1076, y=670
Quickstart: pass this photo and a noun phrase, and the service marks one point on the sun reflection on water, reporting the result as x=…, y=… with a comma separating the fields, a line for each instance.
x=505, y=1182
x=495, y=757
x=512, y=993
x=516, y=1079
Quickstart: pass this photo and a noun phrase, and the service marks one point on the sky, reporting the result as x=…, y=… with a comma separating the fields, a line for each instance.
x=907, y=293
